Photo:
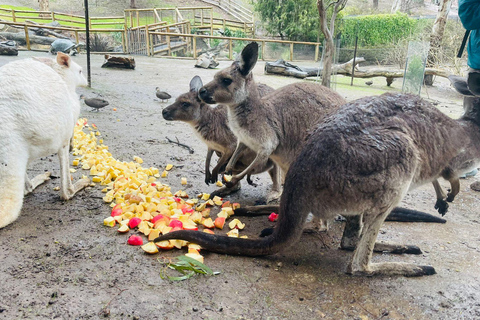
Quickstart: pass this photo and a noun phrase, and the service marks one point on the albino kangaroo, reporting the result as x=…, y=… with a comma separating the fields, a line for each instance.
x=360, y=162
x=211, y=126
x=39, y=109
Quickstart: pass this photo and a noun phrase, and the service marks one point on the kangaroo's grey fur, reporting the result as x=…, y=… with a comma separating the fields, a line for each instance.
x=211, y=126
x=359, y=163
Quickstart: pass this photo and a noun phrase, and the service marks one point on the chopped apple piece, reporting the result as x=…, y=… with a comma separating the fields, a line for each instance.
x=150, y=247
x=165, y=245
x=197, y=257
x=208, y=223
x=219, y=222
x=169, y=167
x=233, y=233
x=109, y=222
x=236, y=224
x=123, y=228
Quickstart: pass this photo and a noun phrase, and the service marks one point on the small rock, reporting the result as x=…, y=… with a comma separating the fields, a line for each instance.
x=475, y=186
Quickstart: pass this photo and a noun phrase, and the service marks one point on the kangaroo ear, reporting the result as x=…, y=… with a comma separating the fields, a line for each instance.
x=460, y=84
x=248, y=58
x=195, y=84
x=63, y=59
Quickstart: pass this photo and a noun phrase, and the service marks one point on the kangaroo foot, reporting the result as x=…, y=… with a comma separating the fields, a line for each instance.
x=387, y=248
x=74, y=188
x=392, y=269
x=441, y=206
x=224, y=191
x=273, y=196
x=30, y=185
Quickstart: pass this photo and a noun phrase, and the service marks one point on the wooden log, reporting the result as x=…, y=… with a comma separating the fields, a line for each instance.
x=6, y=50
x=118, y=62
x=284, y=68
x=20, y=38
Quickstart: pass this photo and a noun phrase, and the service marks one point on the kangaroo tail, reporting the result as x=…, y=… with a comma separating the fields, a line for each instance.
x=409, y=215
x=288, y=229
x=256, y=210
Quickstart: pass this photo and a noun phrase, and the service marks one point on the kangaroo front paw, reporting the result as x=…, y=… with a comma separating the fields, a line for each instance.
x=441, y=206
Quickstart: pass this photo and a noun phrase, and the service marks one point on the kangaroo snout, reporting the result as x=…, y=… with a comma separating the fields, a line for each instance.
x=167, y=115
x=205, y=96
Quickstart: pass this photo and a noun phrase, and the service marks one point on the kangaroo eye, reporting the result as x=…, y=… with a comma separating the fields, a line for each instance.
x=185, y=105
x=227, y=81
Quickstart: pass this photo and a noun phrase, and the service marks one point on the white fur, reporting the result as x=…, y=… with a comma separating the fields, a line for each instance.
x=39, y=108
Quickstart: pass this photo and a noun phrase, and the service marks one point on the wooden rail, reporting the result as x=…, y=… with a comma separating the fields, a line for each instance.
x=230, y=40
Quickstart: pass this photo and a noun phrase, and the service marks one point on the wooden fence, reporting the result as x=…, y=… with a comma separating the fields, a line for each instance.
x=189, y=45
x=72, y=20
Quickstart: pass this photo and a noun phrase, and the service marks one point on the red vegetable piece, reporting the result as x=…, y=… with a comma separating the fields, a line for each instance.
x=135, y=240
x=135, y=221
x=273, y=216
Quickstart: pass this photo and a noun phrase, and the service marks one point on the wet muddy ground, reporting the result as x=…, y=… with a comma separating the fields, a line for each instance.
x=59, y=261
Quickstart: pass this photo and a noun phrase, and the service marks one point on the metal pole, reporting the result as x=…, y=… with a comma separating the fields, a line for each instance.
x=354, y=57
x=87, y=31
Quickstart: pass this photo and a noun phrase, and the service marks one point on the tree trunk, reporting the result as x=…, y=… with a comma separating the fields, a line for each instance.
x=133, y=4
x=375, y=4
x=44, y=5
x=437, y=36
x=328, y=45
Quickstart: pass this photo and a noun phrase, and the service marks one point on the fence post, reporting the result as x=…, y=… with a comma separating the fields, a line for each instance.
x=263, y=50
x=53, y=16
x=138, y=18
x=147, y=40
x=27, y=38
x=76, y=37
x=194, y=47
x=13, y=16
x=230, y=49
x=291, y=51
x=131, y=19
x=317, y=51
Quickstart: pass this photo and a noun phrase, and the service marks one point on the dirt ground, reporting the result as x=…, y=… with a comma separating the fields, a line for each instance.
x=59, y=261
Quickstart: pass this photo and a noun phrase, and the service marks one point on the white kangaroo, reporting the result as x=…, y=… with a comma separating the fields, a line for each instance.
x=39, y=108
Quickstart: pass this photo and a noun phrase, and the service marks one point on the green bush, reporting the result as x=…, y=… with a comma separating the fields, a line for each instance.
x=379, y=29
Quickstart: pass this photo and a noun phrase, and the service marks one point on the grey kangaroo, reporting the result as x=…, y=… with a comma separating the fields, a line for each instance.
x=276, y=125
x=211, y=126
x=360, y=162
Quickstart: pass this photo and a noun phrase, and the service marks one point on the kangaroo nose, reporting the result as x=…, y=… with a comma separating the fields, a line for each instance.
x=166, y=115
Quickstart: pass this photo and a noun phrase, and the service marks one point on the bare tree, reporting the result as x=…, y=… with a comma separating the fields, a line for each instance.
x=44, y=5
x=328, y=29
x=437, y=36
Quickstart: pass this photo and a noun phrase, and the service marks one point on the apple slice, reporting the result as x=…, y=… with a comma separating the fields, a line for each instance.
x=233, y=233
x=165, y=245
x=208, y=231
x=219, y=222
x=236, y=224
x=109, y=222
x=135, y=240
x=150, y=247
x=195, y=256
x=208, y=223
x=123, y=228
x=154, y=233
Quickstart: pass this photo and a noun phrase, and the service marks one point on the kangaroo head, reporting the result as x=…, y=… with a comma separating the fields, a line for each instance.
x=70, y=71
x=230, y=85
x=187, y=107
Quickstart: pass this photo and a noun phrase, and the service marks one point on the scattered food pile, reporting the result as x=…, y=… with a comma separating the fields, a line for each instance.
x=140, y=203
